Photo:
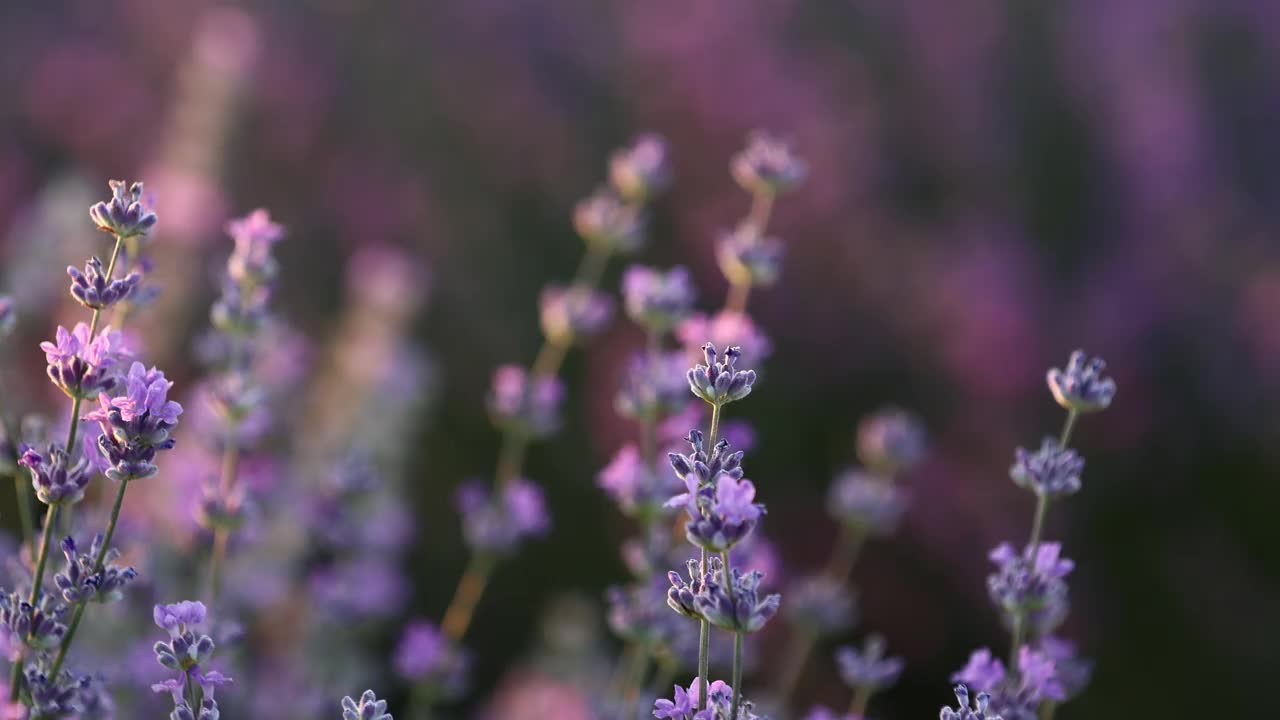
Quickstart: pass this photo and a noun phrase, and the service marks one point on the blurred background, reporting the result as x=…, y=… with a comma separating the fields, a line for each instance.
x=991, y=185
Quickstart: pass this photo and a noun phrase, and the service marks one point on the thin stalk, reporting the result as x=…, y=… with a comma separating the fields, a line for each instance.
x=222, y=534
x=634, y=680
x=761, y=208
x=98, y=563
x=715, y=427
x=737, y=300
x=704, y=651
x=20, y=486
x=861, y=698
x=50, y=520
x=796, y=657
x=737, y=674
x=1048, y=709
x=457, y=618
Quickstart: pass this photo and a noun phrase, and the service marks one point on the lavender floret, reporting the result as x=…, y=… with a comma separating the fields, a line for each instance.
x=748, y=258
x=820, y=605
x=1030, y=588
x=891, y=441
x=1081, y=387
x=867, y=502
x=642, y=170
x=683, y=596
x=684, y=704
x=126, y=214
x=1052, y=471
x=978, y=711
x=136, y=425
x=657, y=300
x=698, y=468
x=574, y=313
x=719, y=382
x=720, y=515
x=868, y=668
x=498, y=524
x=79, y=365
x=654, y=386
x=738, y=609
x=608, y=223
x=81, y=581
x=53, y=476
x=39, y=626
x=767, y=165
x=523, y=403
x=254, y=235
x=369, y=707
x=93, y=290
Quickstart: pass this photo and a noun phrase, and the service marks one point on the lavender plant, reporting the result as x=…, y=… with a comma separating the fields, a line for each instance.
x=1029, y=587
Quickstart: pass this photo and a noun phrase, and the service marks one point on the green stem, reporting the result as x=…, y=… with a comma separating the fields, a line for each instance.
x=457, y=618
x=704, y=645
x=737, y=674
x=1067, y=427
x=222, y=534
x=715, y=426
x=861, y=698
x=20, y=485
x=761, y=208
x=50, y=520
x=98, y=563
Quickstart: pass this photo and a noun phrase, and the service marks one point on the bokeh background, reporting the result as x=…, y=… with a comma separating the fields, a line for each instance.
x=992, y=184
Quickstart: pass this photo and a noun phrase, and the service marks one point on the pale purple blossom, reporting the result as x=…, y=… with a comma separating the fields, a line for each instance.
x=865, y=501
x=94, y=290
x=79, y=365
x=574, y=313
x=609, y=223
x=1052, y=471
x=719, y=381
x=891, y=441
x=525, y=403
x=868, y=668
x=767, y=165
x=1081, y=386
x=748, y=258
x=642, y=170
x=657, y=300
x=126, y=214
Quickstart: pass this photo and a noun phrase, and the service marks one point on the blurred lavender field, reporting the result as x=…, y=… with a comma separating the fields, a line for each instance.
x=990, y=185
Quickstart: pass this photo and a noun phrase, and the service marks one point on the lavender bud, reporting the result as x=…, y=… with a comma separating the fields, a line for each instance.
x=740, y=609
x=79, y=582
x=608, y=223
x=93, y=290
x=136, y=425
x=684, y=705
x=426, y=656
x=126, y=214
x=368, y=708
x=574, y=313
x=1052, y=471
x=656, y=300
x=820, y=605
x=640, y=171
x=1030, y=588
x=891, y=441
x=868, y=668
x=747, y=258
x=8, y=316
x=1081, y=387
x=718, y=382
x=254, y=234
x=683, y=596
x=524, y=404
x=55, y=479
x=977, y=712
x=79, y=365
x=867, y=502
x=767, y=165
x=39, y=626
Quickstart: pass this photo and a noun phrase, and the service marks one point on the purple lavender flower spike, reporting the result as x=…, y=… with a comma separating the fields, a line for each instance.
x=633, y=484
x=126, y=214
x=865, y=501
x=868, y=668
x=1032, y=588
x=657, y=300
x=136, y=425
x=8, y=316
x=719, y=382
x=254, y=235
x=984, y=671
x=820, y=605
x=39, y=626
x=767, y=165
x=1052, y=471
x=425, y=656
x=654, y=386
x=497, y=525
x=684, y=704
x=642, y=170
x=185, y=652
x=748, y=258
x=80, y=583
x=1071, y=672
x=92, y=289
x=240, y=310
x=525, y=404
x=61, y=696
x=608, y=223
x=739, y=609
x=80, y=365
x=698, y=469
x=683, y=596
x=1016, y=696
x=891, y=441
x=574, y=313
x=175, y=617
x=55, y=479
x=978, y=711
x=1081, y=387
x=368, y=708
x=720, y=516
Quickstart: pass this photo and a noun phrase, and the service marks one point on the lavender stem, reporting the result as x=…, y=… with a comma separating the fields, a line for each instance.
x=50, y=519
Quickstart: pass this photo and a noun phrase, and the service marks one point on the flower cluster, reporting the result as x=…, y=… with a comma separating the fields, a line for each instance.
x=1030, y=587
x=94, y=290
x=85, y=579
x=185, y=653
x=368, y=707
x=523, y=403
x=1052, y=471
x=657, y=301
x=497, y=524
x=1081, y=386
x=866, y=502
x=57, y=481
x=427, y=658
x=80, y=365
x=573, y=313
x=719, y=382
x=687, y=704
x=126, y=214
x=39, y=625
x=137, y=424
x=767, y=165
x=868, y=668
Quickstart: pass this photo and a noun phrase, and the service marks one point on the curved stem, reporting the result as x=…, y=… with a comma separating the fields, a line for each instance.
x=98, y=563
x=457, y=618
x=761, y=209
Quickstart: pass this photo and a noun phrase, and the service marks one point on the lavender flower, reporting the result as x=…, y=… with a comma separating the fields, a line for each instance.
x=525, y=404
x=642, y=170
x=93, y=290
x=1081, y=387
x=254, y=235
x=740, y=608
x=977, y=712
x=425, y=656
x=867, y=502
x=725, y=328
x=608, y=223
x=684, y=704
x=657, y=300
x=126, y=214
x=59, y=696
x=719, y=382
x=698, y=469
x=767, y=165
x=1052, y=471
x=891, y=441
x=683, y=596
x=720, y=515
x=748, y=258
x=78, y=364
x=820, y=605
x=38, y=625
x=1023, y=586
x=654, y=386
x=8, y=316
x=185, y=652
x=574, y=313
x=368, y=708
x=868, y=669
x=636, y=616
x=1071, y=672
x=240, y=310
x=499, y=524
x=1015, y=696
x=55, y=479
x=81, y=581
x=137, y=424
x=637, y=488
